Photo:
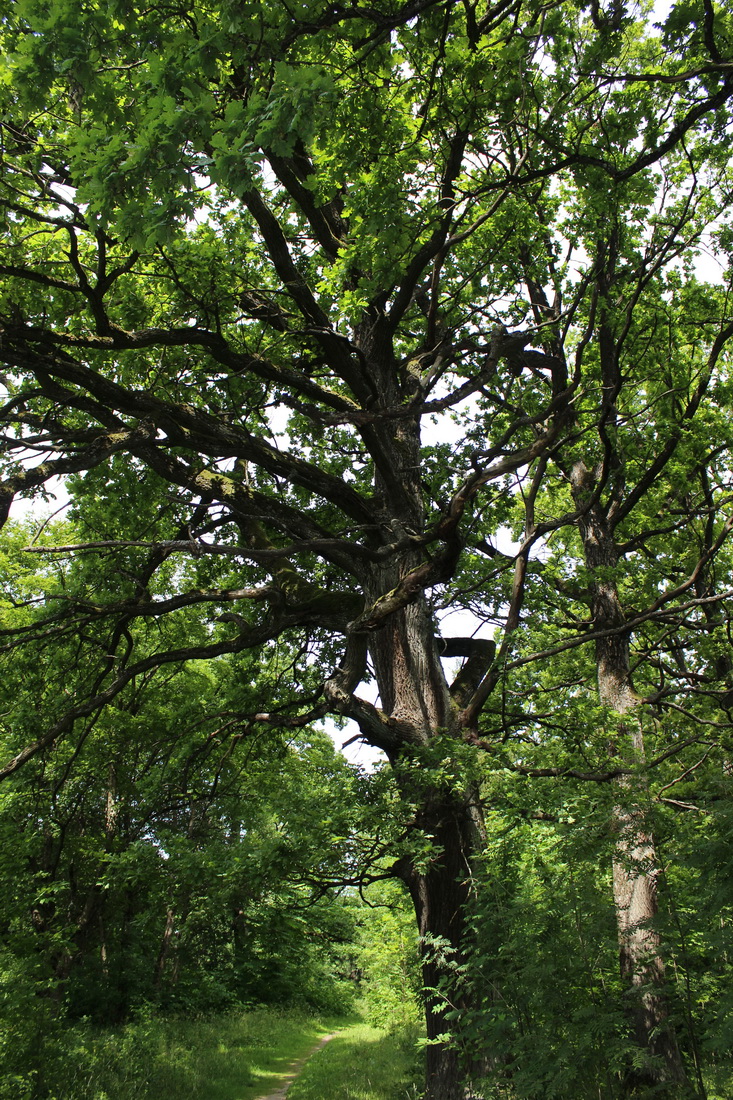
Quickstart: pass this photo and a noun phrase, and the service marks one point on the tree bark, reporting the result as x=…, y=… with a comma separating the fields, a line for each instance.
x=635, y=865
x=416, y=709
x=642, y=966
x=415, y=695
x=165, y=946
x=440, y=896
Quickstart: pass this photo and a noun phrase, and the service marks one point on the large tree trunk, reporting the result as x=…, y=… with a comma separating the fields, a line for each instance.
x=440, y=896
x=635, y=866
x=416, y=709
x=415, y=696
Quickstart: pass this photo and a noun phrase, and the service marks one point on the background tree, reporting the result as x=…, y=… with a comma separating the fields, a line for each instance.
x=165, y=853
x=321, y=304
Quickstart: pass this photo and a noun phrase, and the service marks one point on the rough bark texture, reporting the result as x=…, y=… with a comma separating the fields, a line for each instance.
x=415, y=695
x=635, y=866
x=440, y=896
x=416, y=708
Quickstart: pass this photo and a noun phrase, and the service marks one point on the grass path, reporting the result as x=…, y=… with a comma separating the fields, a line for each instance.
x=362, y=1063
x=243, y=1057
x=296, y=1067
x=265, y=1055
x=255, y=1054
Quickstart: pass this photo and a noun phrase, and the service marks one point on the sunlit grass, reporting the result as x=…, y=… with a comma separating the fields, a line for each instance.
x=237, y=1057
x=244, y=1055
x=362, y=1063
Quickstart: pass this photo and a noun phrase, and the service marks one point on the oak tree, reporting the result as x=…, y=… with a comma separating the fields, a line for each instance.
x=340, y=319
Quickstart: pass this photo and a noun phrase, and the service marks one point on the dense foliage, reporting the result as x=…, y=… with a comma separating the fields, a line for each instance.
x=167, y=855
x=343, y=325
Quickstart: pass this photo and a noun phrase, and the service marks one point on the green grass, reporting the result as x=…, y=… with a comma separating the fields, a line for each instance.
x=363, y=1063
x=237, y=1057
x=240, y=1056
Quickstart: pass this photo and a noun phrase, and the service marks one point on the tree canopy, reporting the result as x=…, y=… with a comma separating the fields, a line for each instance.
x=339, y=320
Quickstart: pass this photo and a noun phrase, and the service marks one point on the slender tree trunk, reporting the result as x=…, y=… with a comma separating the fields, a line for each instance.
x=165, y=946
x=635, y=874
x=642, y=967
x=103, y=952
x=635, y=866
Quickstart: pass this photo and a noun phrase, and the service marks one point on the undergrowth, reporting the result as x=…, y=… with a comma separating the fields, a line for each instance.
x=235, y=1057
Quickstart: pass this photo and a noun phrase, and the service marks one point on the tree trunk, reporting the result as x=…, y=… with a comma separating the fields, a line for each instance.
x=642, y=967
x=416, y=710
x=165, y=946
x=415, y=697
x=635, y=868
x=440, y=895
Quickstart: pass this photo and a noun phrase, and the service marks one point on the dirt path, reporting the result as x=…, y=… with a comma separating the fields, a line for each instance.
x=294, y=1069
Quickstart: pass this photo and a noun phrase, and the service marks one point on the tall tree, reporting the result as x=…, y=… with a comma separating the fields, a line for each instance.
x=326, y=300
